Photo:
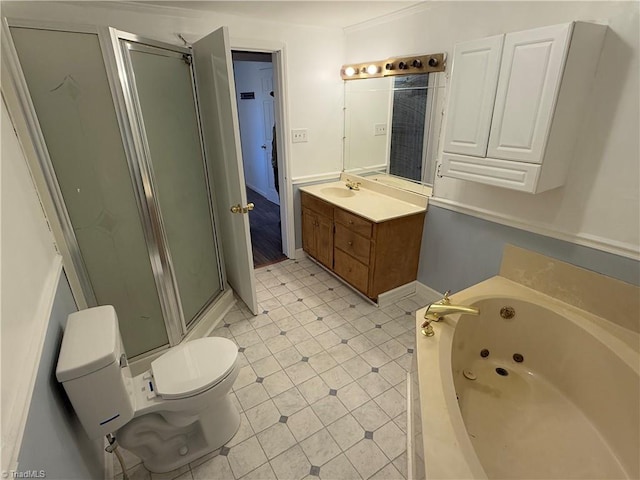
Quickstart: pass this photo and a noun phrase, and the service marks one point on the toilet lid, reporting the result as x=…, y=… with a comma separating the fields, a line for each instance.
x=194, y=367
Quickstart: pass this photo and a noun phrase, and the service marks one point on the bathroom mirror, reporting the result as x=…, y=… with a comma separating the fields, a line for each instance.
x=392, y=126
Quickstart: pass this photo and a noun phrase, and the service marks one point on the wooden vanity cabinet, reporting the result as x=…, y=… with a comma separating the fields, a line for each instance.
x=372, y=257
x=317, y=229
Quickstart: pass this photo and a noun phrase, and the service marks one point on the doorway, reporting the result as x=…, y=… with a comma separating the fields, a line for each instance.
x=255, y=97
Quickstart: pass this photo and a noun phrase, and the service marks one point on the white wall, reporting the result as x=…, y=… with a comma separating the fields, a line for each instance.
x=30, y=269
x=314, y=56
x=599, y=205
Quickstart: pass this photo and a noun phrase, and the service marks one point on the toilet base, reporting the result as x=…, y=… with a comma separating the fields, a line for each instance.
x=164, y=446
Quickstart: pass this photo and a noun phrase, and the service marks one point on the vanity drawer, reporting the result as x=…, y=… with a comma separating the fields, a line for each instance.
x=352, y=243
x=353, y=222
x=351, y=270
x=317, y=205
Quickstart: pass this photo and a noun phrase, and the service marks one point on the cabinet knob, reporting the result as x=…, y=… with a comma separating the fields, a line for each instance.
x=350, y=222
x=350, y=243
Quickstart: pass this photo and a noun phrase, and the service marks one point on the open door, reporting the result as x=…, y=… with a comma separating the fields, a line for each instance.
x=216, y=97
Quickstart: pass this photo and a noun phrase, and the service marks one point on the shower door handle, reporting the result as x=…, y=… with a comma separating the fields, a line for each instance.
x=239, y=209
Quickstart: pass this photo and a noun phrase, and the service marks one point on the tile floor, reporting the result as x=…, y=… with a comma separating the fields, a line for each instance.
x=321, y=389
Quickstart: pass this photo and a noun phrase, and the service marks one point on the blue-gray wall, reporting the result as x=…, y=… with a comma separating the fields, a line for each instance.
x=460, y=250
x=54, y=440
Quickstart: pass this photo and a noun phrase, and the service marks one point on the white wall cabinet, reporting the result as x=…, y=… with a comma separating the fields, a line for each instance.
x=516, y=103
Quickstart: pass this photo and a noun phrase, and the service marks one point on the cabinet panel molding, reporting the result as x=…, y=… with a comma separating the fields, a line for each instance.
x=490, y=171
x=476, y=65
x=530, y=76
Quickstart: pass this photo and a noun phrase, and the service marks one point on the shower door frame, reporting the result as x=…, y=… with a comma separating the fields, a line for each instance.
x=119, y=40
x=51, y=195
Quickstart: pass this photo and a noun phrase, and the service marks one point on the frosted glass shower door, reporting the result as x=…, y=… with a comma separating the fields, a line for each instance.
x=163, y=84
x=69, y=88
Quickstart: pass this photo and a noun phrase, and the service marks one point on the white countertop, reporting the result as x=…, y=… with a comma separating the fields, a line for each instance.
x=374, y=206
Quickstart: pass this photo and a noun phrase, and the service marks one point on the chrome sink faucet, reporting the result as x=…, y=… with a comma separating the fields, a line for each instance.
x=353, y=185
x=437, y=310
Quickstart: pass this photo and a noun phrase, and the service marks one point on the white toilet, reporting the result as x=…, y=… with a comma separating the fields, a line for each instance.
x=177, y=411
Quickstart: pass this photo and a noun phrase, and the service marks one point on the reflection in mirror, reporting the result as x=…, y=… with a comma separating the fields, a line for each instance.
x=392, y=125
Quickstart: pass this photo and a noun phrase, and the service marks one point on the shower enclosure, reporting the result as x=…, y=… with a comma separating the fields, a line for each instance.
x=125, y=166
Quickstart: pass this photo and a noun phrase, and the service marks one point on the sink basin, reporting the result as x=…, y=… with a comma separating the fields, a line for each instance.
x=338, y=192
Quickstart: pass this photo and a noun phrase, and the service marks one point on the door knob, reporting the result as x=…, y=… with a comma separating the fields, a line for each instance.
x=264, y=147
x=240, y=209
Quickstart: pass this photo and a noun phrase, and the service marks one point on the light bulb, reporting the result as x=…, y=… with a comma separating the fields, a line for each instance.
x=349, y=71
x=372, y=69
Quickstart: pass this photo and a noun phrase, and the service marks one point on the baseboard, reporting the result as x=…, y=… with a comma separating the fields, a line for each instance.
x=387, y=298
x=429, y=293
x=212, y=317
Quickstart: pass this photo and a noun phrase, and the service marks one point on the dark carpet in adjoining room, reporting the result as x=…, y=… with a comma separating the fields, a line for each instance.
x=266, y=238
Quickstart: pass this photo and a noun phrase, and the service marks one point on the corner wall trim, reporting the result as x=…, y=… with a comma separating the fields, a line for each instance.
x=623, y=249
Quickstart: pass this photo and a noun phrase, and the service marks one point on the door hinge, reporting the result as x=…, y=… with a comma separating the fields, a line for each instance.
x=186, y=58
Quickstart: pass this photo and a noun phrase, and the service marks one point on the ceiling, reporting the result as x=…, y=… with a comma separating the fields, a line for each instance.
x=326, y=13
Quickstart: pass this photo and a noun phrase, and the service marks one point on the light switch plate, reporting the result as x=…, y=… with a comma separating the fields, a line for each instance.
x=299, y=135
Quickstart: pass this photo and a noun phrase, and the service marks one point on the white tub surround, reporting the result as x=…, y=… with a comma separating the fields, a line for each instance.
x=569, y=409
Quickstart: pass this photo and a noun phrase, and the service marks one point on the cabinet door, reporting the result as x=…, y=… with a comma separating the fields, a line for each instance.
x=473, y=89
x=324, y=241
x=308, y=232
x=530, y=74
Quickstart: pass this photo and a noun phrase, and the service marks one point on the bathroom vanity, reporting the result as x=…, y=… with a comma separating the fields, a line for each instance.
x=371, y=239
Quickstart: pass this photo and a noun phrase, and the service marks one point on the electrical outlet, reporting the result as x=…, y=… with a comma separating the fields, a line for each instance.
x=380, y=129
x=299, y=135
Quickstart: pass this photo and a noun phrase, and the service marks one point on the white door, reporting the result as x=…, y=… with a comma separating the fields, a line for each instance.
x=530, y=73
x=216, y=90
x=474, y=79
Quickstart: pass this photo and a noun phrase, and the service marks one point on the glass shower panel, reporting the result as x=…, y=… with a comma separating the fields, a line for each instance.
x=68, y=84
x=163, y=84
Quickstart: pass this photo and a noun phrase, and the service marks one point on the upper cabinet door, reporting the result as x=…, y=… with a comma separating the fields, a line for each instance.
x=472, y=93
x=530, y=75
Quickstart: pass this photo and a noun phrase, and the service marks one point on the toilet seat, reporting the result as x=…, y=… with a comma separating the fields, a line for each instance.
x=194, y=367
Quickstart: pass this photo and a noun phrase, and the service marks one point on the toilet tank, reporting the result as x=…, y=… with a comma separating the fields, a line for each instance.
x=92, y=368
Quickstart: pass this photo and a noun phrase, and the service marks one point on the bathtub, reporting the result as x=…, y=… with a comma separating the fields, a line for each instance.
x=553, y=392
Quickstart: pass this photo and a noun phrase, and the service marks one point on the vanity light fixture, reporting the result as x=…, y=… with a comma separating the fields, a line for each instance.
x=373, y=69
x=348, y=72
x=435, y=62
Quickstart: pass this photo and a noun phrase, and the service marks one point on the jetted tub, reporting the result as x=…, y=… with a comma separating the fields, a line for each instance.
x=553, y=392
